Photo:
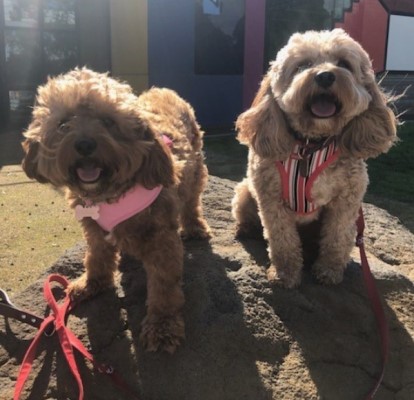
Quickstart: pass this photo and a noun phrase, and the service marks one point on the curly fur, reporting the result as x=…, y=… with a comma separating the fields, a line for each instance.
x=127, y=131
x=363, y=125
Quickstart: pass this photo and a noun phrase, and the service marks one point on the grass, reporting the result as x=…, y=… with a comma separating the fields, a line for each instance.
x=392, y=178
x=392, y=174
x=37, y=224
x=225, y=157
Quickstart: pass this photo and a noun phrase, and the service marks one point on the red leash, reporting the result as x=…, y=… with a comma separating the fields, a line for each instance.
x=375, y=300
x=56, y=322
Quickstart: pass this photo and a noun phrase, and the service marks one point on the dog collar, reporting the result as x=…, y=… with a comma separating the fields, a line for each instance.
x=109, y=215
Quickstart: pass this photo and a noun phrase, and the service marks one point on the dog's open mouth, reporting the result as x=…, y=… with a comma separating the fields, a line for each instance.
x=324, y=106
x=88, y=172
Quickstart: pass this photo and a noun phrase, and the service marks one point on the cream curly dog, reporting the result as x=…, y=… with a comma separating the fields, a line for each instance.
x=317, y=116
x=135, y=172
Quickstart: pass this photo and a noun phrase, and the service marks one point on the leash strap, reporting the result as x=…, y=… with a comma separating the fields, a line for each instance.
x=68, y=341
x=57, y=317
x=375, y=300
x=9, y=310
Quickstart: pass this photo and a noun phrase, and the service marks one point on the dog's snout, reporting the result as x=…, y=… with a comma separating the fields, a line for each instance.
x=86, y=146
x=325, y=79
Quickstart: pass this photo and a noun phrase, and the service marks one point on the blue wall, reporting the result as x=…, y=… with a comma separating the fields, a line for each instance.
x=217, y=99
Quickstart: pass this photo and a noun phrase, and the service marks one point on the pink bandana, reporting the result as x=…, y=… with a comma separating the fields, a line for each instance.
x=109, y=215
x=297, y=188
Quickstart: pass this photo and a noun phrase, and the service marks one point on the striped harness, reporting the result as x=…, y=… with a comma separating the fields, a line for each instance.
x=300, y=170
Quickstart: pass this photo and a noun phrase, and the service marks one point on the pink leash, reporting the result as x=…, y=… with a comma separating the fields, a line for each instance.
x=375, y=301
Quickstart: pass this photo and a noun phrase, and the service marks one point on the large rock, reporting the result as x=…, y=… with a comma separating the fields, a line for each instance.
x=245, y=339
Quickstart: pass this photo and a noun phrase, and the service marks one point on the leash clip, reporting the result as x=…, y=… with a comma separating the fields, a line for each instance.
x=106, y=369
x=4, y=298
x=359, y=241
x=303, y=150
x=50, y=332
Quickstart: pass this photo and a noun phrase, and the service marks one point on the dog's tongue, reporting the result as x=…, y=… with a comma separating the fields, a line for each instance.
x=88, y=174
x=323, y=108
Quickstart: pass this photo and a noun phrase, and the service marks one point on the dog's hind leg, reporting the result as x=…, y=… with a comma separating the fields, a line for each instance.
x=244, y=209
x=163, y=326
x=193, y=224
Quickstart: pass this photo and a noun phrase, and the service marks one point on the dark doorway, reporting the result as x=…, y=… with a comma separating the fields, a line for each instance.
x=283, y=18
x=219, y=37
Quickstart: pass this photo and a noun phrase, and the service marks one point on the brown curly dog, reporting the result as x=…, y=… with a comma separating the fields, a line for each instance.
x=317, y=116
x=134, y=173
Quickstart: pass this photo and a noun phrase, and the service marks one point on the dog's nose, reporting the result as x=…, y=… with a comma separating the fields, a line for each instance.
x=325, y=79
x=85, y=147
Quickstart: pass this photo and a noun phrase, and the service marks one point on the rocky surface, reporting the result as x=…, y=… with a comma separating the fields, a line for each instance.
x=245, y=338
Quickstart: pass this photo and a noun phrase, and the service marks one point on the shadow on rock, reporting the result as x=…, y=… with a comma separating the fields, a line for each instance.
x=338, y=339
x=218, y=358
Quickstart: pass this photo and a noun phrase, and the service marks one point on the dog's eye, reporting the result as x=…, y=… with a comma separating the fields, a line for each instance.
x=108, y=122
x=63, y=125
x=304, y=66
x=344, y=64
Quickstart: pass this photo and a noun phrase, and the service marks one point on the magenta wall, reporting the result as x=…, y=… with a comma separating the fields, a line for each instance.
x=254, y=49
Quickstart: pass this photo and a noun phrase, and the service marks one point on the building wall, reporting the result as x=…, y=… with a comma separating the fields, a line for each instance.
x=374, y=28
x=385, y=29
x=253, y=53
x=367, y=23
x=33, y=47
x=129, y=42
x=217, y=99
x=400, y=55
x=94, y=33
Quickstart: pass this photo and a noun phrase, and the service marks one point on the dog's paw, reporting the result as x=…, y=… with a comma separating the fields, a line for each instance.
x=249, y=231
x=196, y=232
x=282, y=278
x=84, y=288
x=328, y=275
x=164, y=333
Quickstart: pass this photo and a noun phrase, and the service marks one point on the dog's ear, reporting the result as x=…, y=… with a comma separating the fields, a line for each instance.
x=30, y=160
x=157, y=168
x=374, y=131
x=263, y=126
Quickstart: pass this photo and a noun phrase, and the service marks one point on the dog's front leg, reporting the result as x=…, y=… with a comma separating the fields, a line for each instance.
x=337, y=239
x=163, y=326
x=285, y=247
x=101, y=260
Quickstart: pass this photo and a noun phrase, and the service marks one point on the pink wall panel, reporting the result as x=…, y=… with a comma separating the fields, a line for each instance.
x=374, y=33
x=367, y=23
x=253, y=49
